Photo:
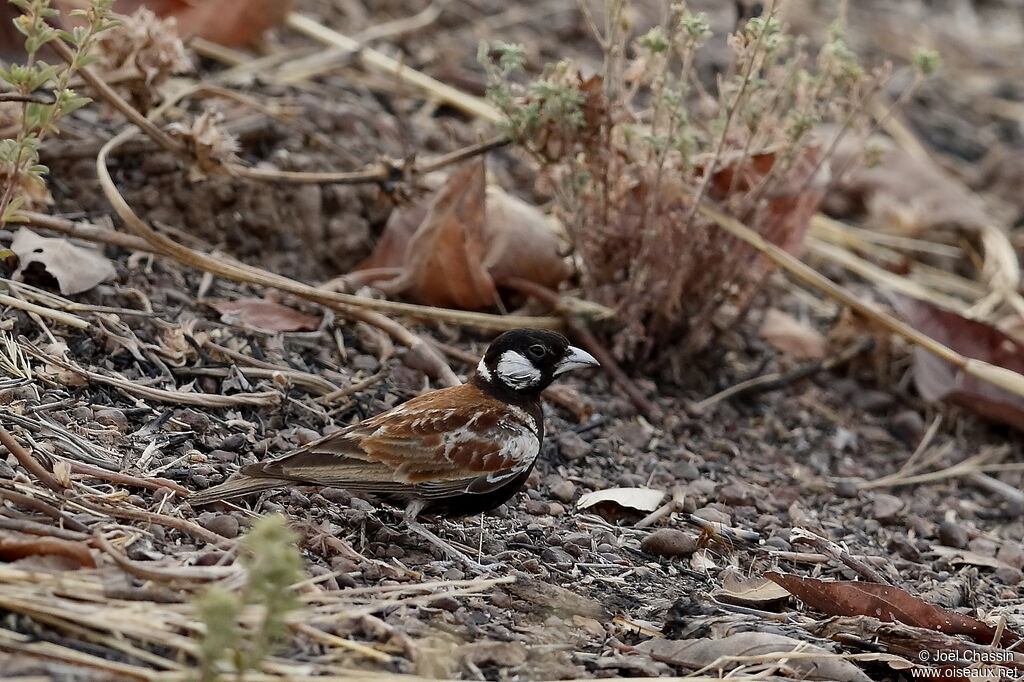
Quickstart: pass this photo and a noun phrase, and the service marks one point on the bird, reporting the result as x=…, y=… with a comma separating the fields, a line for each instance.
x=453, y=452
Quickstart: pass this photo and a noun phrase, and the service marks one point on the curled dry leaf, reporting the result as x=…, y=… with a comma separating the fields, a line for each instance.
x=76, y=269
x=264, y=315
x=617, y=503
x=15, y=546
x=937, y=379
x=698, y=653
x=887, y=603
x=228, y=23
x=792, y=337
x=760, y=593
x=456, y=250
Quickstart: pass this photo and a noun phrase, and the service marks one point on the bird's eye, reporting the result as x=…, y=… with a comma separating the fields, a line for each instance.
x=536, y=351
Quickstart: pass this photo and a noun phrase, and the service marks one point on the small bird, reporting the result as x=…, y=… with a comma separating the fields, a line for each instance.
x=456, y=451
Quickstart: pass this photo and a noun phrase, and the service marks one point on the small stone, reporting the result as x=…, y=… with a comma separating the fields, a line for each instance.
x=232, y=443
x=446, y=603
x=537, y=507
x=952, y=534
x=556, y=509
x=359, y=504
x=366, y=363
x=669, y=542
x=223, y=455
x=82, y=414
x=909, y=427
x=335, y=495
x=869, y=400
x=572, y=446
x=556, y=556
x=846, y=487
x=886, y=507
x=195, y=420
x=715, y=515
x=736, y=494
x=685, y=470
x=490, y=653
x=224, y=525
x=111, y=416
x=1011, y=553
x=1008, y=575
x=563, y=491
x=305, y=436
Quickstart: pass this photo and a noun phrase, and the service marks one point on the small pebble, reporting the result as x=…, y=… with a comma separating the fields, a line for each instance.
x=712, y=514
x=232, y=443
x=669, y=542
x=111, y=416
x=224, y=525
x=563, y=491
x=223, y=455
x=556, y=509
x=846, y=487
x=886, y=507
x=556, y=556
x=870, y=400
x=952, y=534
x=909, y=427
x=571, y=446
x=537, y=507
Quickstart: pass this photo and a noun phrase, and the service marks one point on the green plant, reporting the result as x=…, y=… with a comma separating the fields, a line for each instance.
x=632, y=151
x=273, y=564
x=21, y=174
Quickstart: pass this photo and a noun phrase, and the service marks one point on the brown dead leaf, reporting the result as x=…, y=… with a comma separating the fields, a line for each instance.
x=15, y=546
x=758, y=593
x=900, y=193
x=76, y=269
x=457, y=249
x=695, y=654
x=887, y=603
x=263, y=314
x=789, y=335
x=228, y=23
x=936, y=379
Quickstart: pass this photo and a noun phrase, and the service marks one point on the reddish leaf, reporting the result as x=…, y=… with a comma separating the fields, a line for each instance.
x=886, y=603
x=937, y=379
x=15, y=546
x=456, y=251
x=229, y=23
x=265, y=315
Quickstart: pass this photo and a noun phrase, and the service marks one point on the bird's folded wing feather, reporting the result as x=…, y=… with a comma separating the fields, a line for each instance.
x=427, y=445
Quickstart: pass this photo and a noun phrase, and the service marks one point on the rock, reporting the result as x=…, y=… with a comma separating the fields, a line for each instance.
x=1012, y=553
x=556, y=509
x=847, y=488
x=492, y=653
x=537, y=507
x=224, y=525
x=886, y=507
x=1008, y=575
x=685, y=470
x=232, y=443
x=111, y=416
x=572, y=446
x=909, y=427
x=715, y=515
x=223, y=455
x=953, y=534
x=563, y=491
x=870, y=400
x=82, y=414
x=366, y=363
x=556, y=556
x=669, y=542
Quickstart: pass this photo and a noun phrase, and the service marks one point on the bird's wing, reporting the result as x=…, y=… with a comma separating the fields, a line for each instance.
x=451, y=440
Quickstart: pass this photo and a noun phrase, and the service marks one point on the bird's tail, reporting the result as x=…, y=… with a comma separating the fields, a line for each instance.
x=232, y=489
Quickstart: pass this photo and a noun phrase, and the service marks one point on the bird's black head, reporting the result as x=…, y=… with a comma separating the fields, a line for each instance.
x=524, y=362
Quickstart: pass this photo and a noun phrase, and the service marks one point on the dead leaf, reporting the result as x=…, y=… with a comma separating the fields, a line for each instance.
x=789, y=335
x=637, y=499
x=457, y=249
x=937, y=379
x=695, y=654
x=758, y=593
x=963, y=556
x=75, y=269
x=900, y=192
x=15, y=546
x=228, y=23
x=887, y=603
x=263, y=314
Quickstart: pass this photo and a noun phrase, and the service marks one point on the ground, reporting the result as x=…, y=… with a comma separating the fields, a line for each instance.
x=588, y=585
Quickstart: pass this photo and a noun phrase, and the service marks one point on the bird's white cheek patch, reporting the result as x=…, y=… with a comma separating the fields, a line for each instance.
x=482, y=370
x=516, y=371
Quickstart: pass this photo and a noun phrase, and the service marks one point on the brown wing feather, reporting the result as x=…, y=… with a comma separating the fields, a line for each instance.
x=450, y=440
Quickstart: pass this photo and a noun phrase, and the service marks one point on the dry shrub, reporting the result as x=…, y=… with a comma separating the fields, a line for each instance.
x=630, y=152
